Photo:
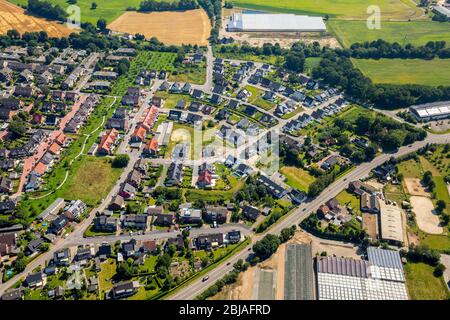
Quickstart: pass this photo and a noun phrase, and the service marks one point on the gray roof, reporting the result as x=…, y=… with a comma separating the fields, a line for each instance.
x=384, y=258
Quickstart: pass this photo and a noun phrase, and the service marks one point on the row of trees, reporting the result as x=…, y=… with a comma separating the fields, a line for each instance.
x=268, y=245
x=339, y=72
x=47, y=10
x=383, y=49
x=152, y=5
x=213, y=9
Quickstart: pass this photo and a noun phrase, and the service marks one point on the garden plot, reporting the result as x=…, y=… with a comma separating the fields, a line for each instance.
x=427, y=219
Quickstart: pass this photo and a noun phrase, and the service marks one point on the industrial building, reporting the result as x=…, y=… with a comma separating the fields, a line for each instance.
x=380, y=277
x=262, y=22
x=431, y=111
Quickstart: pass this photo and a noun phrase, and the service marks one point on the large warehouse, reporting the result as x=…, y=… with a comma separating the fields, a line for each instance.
x=262, y=22
x=431, y=111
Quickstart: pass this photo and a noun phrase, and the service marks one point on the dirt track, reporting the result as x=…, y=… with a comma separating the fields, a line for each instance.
x=13, y=17
x=171, y=27
x=426, y=218
x=415, y=188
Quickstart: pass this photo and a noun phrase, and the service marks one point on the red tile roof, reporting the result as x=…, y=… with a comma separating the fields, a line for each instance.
x=205, y=177
x=108, y=140
x=40, y=168
x=139, y=133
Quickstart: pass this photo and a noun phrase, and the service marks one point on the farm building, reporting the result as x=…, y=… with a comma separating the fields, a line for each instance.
x=442, y=11
x=391, y=223
x=275, y=23
x=431, y=111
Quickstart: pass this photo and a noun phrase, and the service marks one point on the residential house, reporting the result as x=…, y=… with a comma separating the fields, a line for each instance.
x=250, y=212
x=135, y=221
x=188, y=215
x=216, y=213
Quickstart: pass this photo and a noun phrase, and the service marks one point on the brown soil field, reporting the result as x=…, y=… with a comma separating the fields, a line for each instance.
x=427, y=220
x=171, y=28
x=415, y=188
x=13, y=17
x=370, y=224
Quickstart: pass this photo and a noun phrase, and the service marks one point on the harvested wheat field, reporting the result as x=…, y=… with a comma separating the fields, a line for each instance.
x=13, y=17
x=171, y=27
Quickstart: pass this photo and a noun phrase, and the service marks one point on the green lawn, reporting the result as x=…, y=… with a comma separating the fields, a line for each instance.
x=311, y=63
x=390, y=9
x=347, y=198
x=411, y=71
x=403, y=32
x=410, y=169
x=171, y=99
x=436, y=241
x=193, y=74
x=297, y=178
x=104, y=277
x=91, y=233
x=92, y=181
x=423, y=285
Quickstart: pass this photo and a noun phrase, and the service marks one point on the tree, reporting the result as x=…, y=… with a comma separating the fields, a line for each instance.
x=13, y=34
x=93, y=5
x=267, y=246
x=440, y=205
x=17, y=128
x=121, y=161
x=295, y=62
x=101, y=24
x=439, y=270
x=172, y=249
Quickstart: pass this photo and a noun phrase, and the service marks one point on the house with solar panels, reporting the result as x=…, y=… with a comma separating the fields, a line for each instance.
x=431, y=111
x=380, y=277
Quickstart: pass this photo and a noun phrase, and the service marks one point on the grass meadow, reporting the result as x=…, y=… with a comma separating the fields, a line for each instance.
x=406, y=71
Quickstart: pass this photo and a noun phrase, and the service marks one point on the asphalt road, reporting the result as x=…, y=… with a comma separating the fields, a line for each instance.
x=294, y=218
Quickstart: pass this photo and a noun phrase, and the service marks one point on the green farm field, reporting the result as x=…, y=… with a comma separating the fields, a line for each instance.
x=108, y=10
x=404, y=32
x=348, y=9
x=411, y=71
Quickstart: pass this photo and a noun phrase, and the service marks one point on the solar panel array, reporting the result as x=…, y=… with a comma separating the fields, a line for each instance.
x=298, y=274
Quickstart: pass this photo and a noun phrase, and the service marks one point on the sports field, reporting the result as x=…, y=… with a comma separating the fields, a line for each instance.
x=404, y=32
x=170, y=27
x=348, y=9
x=13, y=17
x=411, y=71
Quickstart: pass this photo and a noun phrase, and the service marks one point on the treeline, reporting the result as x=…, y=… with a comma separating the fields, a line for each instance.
x=213, y=9
x=151, y=5
x=382, y=49
x=323, y=181
x=47, y=10
x=229, y=278
x=339, y=72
